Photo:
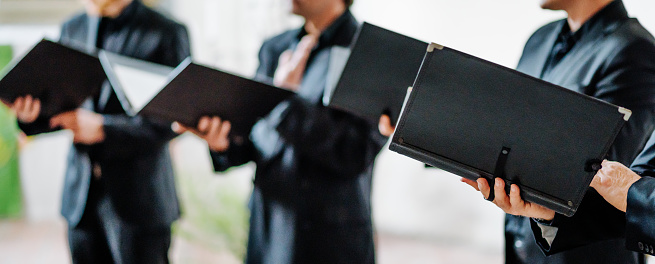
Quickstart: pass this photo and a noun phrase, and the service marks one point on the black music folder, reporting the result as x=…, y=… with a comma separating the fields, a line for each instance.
x=193, y=91
x=61, y=77
x=381, y=65
x=478, y=119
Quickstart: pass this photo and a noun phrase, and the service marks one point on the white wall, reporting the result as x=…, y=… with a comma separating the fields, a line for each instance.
x=408, y=199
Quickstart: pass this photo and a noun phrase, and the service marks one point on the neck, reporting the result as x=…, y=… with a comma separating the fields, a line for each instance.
x=316, y=24
x=111, y=9
x=581, y=11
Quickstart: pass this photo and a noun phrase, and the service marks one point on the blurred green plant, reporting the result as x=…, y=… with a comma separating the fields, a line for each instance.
x=10, y=189
x=215, y=214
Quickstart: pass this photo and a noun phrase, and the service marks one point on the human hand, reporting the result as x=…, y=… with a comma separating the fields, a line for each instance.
x=512, y=204
x=292, y=63
x=26, y=108
x=613, y=181
x=87, y=126
x=213, y=130
x=385, y=127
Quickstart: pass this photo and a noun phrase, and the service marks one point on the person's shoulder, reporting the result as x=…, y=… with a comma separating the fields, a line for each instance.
x=547, y=29
x=632, y=33
x=627, y=43
x=75, y=20
x=281, y=41
x=71, y=28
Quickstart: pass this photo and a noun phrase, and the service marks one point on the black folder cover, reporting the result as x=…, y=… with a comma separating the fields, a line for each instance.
x=478, y=119
x=381, y=66
x=195, y=91
x=61, y=77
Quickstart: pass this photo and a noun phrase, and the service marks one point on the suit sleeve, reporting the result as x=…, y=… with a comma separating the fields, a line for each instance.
x=335, y=141
x=640, y=216
x=238, y=154
x=627, y=79
x=330, y=139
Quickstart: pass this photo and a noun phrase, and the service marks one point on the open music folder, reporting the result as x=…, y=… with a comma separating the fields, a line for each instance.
x=61, y=77
x=190, y=91
x=378, y=69
x=477, y=119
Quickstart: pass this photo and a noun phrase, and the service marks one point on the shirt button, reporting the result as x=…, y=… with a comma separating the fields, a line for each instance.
x=518, y=244
x=97, y=171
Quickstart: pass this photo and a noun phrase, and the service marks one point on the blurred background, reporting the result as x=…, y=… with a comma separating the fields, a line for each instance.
x=421, y=215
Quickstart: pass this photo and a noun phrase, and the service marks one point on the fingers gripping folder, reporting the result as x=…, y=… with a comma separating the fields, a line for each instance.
x=499, y=172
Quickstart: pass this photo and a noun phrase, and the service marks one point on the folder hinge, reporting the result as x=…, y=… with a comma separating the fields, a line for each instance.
x=499, y=171
x=434, y=46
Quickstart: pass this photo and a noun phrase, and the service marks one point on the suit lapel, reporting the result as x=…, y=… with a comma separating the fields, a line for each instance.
x=579, y=53
x=536, y=53
x=91, y=31
x=544, y=52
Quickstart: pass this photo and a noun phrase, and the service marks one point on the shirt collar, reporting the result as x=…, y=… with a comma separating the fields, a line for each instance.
x=332, y=35
x=605, y=18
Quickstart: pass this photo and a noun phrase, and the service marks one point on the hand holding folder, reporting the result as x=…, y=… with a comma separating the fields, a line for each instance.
x=25, y=108
x=212, y=129
x=511, y=203
x=189, y=92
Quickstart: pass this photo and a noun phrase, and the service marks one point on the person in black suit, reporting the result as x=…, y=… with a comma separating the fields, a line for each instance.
x=599, y=51
x=311, y=201
x=119, y=195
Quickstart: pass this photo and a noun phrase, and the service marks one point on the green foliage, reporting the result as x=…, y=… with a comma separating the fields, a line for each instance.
x=214, y=212
x=10, y=189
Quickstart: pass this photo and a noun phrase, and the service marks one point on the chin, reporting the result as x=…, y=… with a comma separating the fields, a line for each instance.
x=551, y=4
x=295, y=7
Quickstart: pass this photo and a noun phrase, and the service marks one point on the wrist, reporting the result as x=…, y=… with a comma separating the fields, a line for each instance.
x=545, y=217
x=543, y=221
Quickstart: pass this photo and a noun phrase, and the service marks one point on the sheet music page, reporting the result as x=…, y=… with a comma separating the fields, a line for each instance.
x=139, y=86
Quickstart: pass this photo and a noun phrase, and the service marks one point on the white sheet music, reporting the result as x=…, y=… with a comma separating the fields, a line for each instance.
x=138, y=85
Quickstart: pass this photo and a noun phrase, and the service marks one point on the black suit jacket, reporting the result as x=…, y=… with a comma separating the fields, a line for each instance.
x=614, y=61
x=311, y=201
x=134, y=158
x=640, y=213
x=640, y=216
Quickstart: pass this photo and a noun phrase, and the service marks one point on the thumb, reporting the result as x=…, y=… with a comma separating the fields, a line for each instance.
x=178, y=128
x=596, y=182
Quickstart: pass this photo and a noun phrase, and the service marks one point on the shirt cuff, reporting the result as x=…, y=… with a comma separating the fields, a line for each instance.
x=548, y=232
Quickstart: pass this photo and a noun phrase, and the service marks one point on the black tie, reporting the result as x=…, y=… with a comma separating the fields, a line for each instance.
x=565, y=42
